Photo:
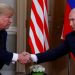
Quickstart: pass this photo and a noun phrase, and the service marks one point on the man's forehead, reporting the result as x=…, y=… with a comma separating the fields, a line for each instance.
x=72, y=13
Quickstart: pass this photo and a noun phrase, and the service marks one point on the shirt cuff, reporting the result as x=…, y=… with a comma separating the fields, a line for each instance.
x=34, y=58
x=15, y=57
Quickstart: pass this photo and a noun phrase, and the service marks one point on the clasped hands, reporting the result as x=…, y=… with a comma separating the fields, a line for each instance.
x=24, y=57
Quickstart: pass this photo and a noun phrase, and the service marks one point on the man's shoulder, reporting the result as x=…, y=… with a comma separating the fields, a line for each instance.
x=71, y=35
x=3, y=32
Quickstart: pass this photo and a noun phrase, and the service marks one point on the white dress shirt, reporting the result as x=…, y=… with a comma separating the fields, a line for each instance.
x=15, y=57
x=34, y=58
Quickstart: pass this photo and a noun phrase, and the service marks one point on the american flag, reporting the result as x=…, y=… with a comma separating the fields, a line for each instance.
x=38, y=31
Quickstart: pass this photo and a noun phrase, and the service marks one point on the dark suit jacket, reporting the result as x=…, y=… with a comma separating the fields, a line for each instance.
x=5, y=56
x=67, y=46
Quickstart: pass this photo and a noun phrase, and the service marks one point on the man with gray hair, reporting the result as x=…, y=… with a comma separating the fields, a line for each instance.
x=67, y=46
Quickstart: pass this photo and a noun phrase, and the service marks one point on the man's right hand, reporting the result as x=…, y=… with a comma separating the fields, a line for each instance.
x=24, y=57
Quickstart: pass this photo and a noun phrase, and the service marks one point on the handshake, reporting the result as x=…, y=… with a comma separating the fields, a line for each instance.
x=24, y=57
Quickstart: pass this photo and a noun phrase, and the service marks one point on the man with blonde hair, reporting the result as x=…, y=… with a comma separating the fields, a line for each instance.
x=6, y=13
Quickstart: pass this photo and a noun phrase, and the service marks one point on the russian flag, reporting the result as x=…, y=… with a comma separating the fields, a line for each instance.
x=66, y=27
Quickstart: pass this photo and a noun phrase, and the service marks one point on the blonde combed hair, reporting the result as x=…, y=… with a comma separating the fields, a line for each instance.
x=5, y=8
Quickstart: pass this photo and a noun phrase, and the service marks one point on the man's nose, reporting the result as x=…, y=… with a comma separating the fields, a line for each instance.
x=11, y=20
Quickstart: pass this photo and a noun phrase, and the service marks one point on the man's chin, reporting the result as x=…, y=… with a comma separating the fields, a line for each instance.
x=73, y=29
x=1, y=29
x=4, y=28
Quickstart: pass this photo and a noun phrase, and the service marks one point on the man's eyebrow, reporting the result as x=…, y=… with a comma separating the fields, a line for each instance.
x=72, y=18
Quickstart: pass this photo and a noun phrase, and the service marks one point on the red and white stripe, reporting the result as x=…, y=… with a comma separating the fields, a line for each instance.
x=39, y=33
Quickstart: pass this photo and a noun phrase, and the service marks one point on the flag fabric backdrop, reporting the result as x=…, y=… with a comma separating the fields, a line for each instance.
x=38, y=31
x=67, y=28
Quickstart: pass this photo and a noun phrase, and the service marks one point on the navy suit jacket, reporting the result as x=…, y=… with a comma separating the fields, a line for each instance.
x=67, y=46
x=5, y=56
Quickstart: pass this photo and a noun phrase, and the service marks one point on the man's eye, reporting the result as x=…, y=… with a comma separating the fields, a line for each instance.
x=71, y=19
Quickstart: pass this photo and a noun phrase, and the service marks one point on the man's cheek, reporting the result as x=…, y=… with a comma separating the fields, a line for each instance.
x=3, y=24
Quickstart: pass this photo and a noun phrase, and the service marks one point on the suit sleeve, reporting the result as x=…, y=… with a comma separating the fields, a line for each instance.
x=5, y=56
x=53, y=54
